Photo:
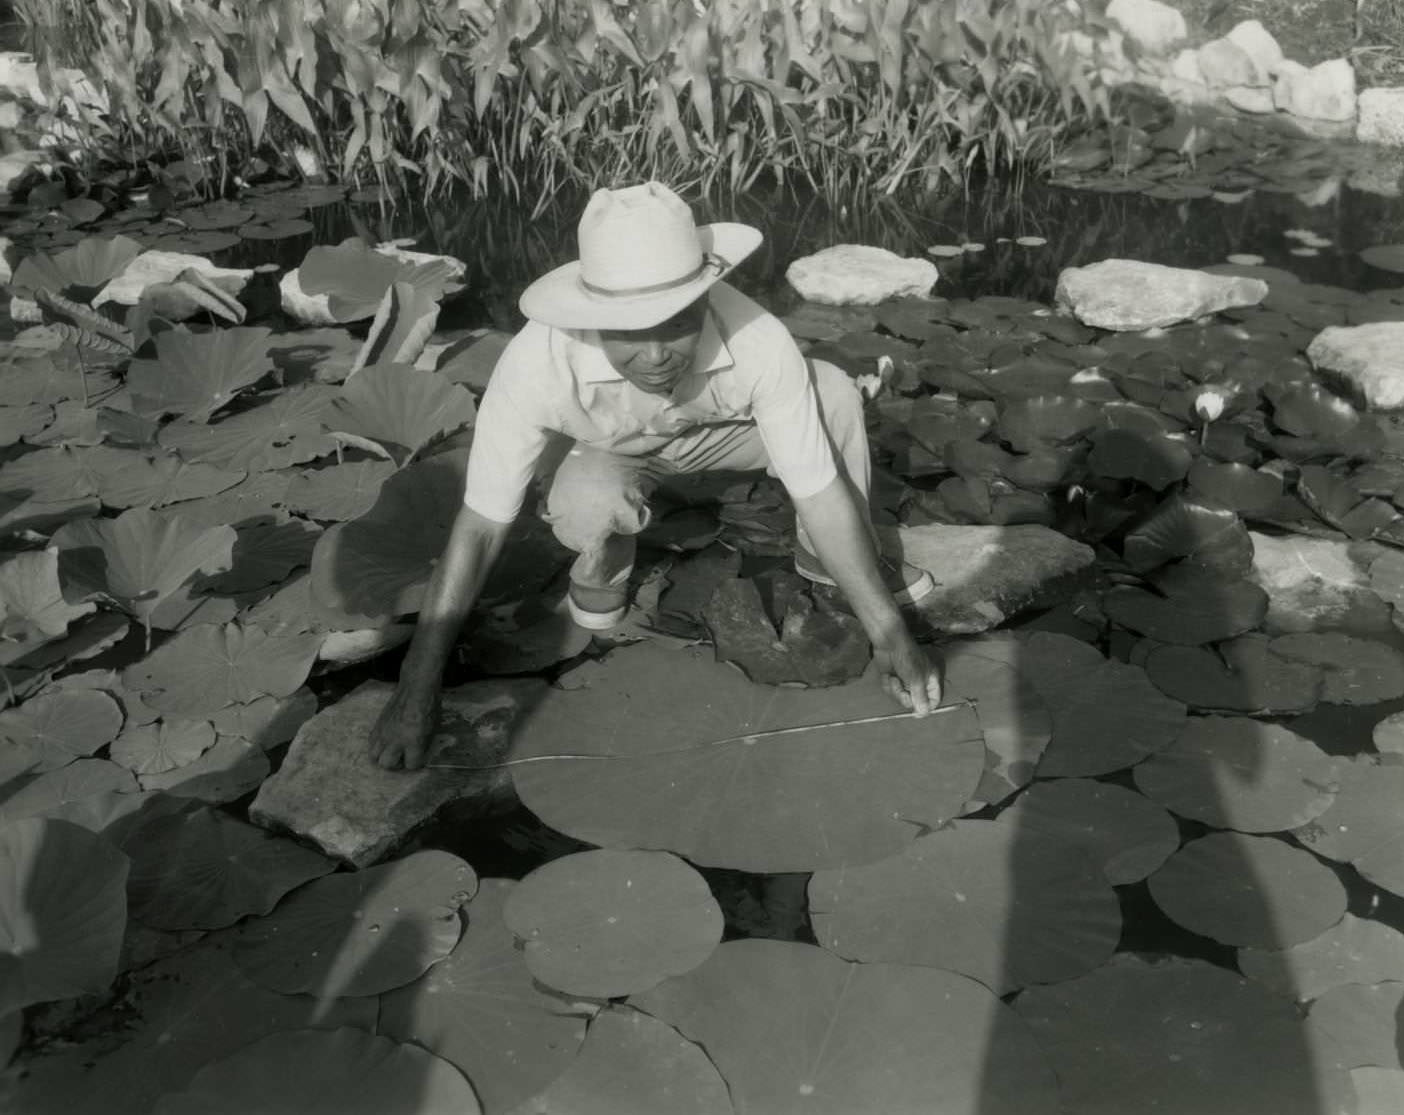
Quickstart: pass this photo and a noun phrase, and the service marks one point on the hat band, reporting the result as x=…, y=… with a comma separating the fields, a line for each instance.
x=709, y=260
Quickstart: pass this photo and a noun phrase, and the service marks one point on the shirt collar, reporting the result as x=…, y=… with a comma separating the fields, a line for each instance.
x=592, y=366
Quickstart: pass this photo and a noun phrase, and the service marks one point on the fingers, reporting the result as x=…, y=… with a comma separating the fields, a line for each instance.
x=893, y=684
x=919, y=694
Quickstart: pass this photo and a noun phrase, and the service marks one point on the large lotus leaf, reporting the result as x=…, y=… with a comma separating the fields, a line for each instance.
x=283, y=429
x=52, y=793
x=259, y=498
x=52, y=475
x=63, y=725
x=194, y=374
x=360, y=933
x=1193, y=607
x=672, y=761
x=87, y=640
x=63, y=907
x=400, y=408
x=131, y=478
x=356, y=277
x=23, y=422
x=202, y=869
x=1253, y=891
x=378, y=565
x=187, y=607
x=206, y=668
x=32, y=607
x=1240, y=675
x=608, y=923
x=51, y=379
x=1106, y=714
x=264, y=554
x=1197, y=530
x=1123, y=832
x=794, y=1030
x=480, y=1009
x=1354, y=950
x=1156, y=461
x=178, y=1015
x=1248, y=491
x=1362, y=1021
x=1013, y=717
x=340, y=492
x=139, y=558
x=1355, y=671
x=1014, y=908
x=230, y=769
x=1364, y=826
x=157, y=748
x=79, y=271
x=305, y=1072
x=1031, y=424
x=403, y=324
x=633, y=1062
x=1213, y=1044
x=20, y=513
x=1236, y=773
x=268, y=721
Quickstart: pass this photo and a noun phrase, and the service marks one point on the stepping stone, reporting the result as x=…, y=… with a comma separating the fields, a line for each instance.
x=1370, y=358
x=1128, y=295
x=859, y=275
x=329, y=791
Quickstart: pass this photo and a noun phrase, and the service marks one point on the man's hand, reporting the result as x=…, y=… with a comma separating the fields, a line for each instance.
x=402, y=731
x=908, y=674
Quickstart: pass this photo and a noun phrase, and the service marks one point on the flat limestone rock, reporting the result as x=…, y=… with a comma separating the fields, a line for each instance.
x=1128, y=295
x=328, y=791
x=859, y=275
x=1317, y=583
x=1321, y=92
x=985, y=575
x=1380, y=117
x=1369, y=357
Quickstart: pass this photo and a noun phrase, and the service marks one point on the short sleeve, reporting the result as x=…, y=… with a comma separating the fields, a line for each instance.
x=786, y=409
x=511, y=430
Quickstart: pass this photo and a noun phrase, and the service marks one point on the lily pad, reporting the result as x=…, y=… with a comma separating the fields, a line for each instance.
x=1235, y=773
x=23, y=422
x=215, y=215
x=1354, y=950
x=51, y=475
x=139, y=558
x=344, y=1070
x=277, y=230
x=1250, y=891
x=480, y=1009
x=202, y=869
x=1241, y=675
x=131, y=478
x=360, y=933
x=1364, y=826
x=607, y=923
x=259, y=498
x=631, y=1060
x=400, y=408
x=1197, y=530
x=1354, y=671
x=1362, y=1022
x=195, y=374
x=63, y=725
x=1193, y=607
x=268, y=721
x=63, y=906
x=230, y=769
x=340, y=492
x=32, y=607
x=1156, y=462
x=1241, y=488
x=264, y=554
x=1031, y=424
x=157, y=748
x=1126, y=834
x=1387, y=257
x=671, y=764
x=1014, y=909
x=790, y=1025
x=1214, y=1043
x=51, y=793
x=77, y=272
x=283, y=430
x=207, y=668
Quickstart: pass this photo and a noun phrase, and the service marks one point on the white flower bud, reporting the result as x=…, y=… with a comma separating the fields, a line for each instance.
x=1209, y=404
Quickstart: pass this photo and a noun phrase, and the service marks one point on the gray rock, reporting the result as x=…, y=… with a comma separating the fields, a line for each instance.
x=1257, y=42
x=1153, y=26
x=1370, y=358
x=328, y=791
x=1128, y=295
x=1317, y=583
x=1381, y=117
x=859, y=275
x=153, y=267
x=1224, y=63
x=985, y=575
x=1323, y=92
x=1252, y=99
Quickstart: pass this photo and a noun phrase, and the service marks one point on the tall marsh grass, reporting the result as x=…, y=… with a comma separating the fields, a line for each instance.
x=529, y=96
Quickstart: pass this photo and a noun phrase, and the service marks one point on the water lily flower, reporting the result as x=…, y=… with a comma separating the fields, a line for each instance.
x=1209, y=404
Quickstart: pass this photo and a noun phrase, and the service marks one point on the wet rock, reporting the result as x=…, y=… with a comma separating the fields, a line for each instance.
x=1317, y=583
x=153, y=267
x=1257, y=101
x=1153, y=26
x=1185, y=67
x=1324, y=92
x=859, y=275
x=1381, y=117
x=1370, y=358
x=328, y=791
x=1224, y=63
x=1257, y=43
x=1127, y=295
x=987, y=574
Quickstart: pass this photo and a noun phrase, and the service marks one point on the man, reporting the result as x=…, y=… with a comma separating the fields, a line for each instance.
x=654, y=367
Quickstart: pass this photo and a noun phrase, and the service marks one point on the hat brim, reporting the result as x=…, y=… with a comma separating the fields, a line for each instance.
x=559, y=298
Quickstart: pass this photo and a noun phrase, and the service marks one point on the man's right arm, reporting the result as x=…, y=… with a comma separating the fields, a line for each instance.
x=401, y=734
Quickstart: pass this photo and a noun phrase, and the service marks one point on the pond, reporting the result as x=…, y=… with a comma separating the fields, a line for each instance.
x=1152, y=849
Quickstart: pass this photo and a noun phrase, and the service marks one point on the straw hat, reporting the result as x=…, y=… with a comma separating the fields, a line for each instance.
x=642, y=259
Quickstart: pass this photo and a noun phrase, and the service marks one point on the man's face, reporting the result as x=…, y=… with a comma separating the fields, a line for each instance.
x=653, y=360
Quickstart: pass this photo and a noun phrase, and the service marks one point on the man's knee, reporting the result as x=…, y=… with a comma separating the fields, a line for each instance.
x=595, y=495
